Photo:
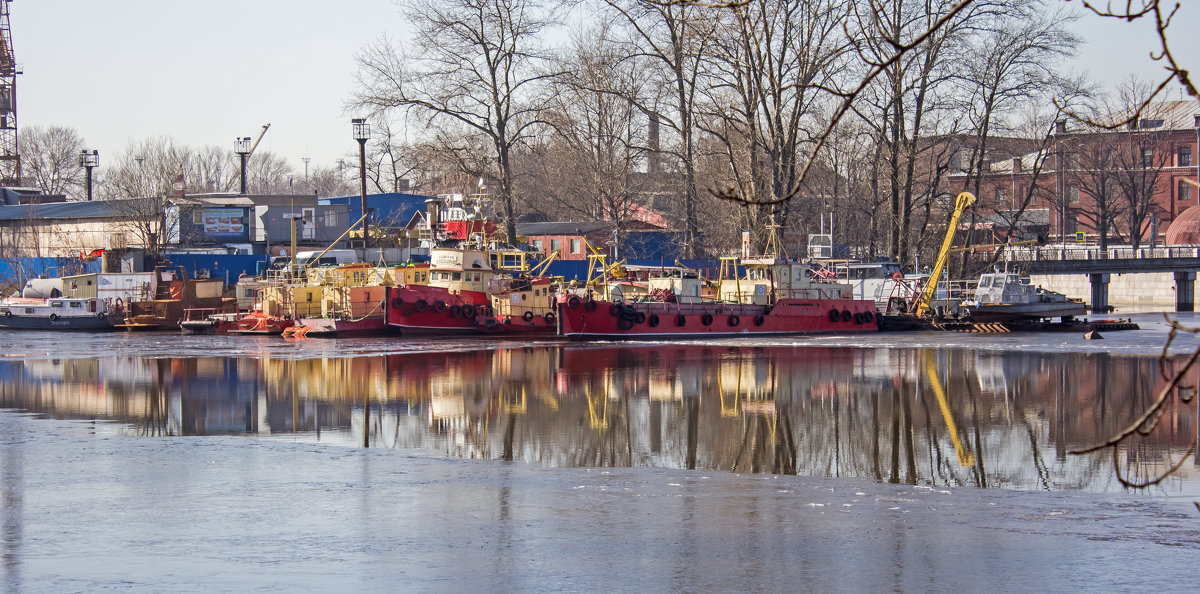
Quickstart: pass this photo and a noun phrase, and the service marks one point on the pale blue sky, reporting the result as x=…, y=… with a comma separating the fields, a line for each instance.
x=208, y=72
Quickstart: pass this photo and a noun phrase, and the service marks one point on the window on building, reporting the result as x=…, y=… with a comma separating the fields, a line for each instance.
x=537, y=245
x=1073, y=193
x=1185, y=191
x=555, y=245
x=575, y=246
x=1068, y=161
x=1001, y=195
x=1147, y=157
x=331, y=218
x=197, y=217
x=1184, y=156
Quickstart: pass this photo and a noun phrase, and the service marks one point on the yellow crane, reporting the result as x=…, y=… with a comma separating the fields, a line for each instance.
x=961, y=203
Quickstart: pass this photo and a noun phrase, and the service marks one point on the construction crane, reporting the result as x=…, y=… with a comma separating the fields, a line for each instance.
x=10, y=160
x=961, y=203
x=257, y=140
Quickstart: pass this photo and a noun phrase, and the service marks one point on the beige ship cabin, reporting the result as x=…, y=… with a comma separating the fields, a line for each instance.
x=769, y=279
x=459, y=269
x=685, y=286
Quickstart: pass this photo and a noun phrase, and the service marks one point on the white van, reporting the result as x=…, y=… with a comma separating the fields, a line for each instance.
x=329, y=258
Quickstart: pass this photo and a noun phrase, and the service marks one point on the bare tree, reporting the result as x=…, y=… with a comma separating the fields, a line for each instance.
x=769, y=65
x=211, y=169
x=1013, y=60
x=676, y=38
x=1140, y=159
x=389, y=163
x=1090, y=165
x=329, y=182
x=909, y=46
x=478, y=69
x=268, y=173
x=592, y=164
x=50, y=159
x=149, y=167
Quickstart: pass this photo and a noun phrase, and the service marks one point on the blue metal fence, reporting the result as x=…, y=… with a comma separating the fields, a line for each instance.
x=232, y=266
x=17, y=270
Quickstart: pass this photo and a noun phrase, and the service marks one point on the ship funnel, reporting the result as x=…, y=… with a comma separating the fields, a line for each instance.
x=433, y=208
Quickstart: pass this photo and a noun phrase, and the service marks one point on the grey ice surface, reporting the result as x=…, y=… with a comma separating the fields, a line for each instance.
x=85, y=510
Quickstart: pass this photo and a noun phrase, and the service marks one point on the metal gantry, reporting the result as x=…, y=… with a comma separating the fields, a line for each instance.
x=10, y=160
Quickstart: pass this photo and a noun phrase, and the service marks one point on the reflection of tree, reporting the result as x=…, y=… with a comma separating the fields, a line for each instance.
x=156, y=421
x=1127, y=439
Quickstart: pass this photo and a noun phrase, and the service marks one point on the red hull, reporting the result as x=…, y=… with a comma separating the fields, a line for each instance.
x=602, y=319
x=260, y=323
x=419, y=309
x=535, y=326
x=328, y=327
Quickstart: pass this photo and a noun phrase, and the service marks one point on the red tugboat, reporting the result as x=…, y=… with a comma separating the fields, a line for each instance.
x=776, y=296
x=459, y=273
x=521, y=305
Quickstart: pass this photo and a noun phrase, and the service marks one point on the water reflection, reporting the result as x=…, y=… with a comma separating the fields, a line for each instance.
x=915, y=416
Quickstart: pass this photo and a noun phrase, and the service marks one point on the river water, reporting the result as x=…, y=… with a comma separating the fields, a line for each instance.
x=896, y=461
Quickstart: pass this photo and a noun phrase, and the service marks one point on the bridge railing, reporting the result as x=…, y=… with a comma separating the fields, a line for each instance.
x=1067, y=252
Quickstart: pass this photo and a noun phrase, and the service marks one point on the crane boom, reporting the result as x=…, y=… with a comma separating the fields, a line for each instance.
x=961, y=203
x=257, y=140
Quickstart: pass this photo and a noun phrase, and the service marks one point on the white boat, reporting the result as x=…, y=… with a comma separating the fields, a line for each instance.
x=1010, y=297
x=59, y=313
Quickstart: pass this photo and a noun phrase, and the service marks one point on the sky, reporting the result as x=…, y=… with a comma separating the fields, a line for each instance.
x=206, y=73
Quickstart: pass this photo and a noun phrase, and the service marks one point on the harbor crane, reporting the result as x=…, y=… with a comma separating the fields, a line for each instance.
x=964, y=200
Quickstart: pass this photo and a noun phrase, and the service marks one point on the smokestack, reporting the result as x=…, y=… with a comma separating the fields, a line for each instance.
x=654, y=166
x=433, y=209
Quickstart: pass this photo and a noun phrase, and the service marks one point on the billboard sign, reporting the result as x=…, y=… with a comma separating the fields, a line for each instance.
x=225, y=222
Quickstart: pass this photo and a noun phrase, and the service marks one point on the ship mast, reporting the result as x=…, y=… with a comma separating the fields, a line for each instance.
x=10, y=160
x=774, y=246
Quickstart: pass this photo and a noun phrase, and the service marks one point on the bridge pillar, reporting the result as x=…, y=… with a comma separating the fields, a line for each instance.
x=1185, y=291
x=1099, y=291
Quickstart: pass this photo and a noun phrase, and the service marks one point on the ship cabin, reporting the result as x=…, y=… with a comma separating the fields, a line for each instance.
x=56, y=307
x=768, y=279
x=522, y=297
x=459, y=269
x=675, y=285
x=1005, y=287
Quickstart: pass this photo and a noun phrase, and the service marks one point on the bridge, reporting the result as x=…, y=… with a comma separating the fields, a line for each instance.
x=1099, y=265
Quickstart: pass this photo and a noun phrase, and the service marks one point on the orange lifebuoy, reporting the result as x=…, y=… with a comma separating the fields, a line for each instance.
x=897, y=276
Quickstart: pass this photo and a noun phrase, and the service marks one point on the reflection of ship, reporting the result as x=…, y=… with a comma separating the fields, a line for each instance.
x=897, y=414
x=1009, y=297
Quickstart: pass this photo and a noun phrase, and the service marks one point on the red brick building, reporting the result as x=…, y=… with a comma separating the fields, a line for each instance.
x=1130, y=182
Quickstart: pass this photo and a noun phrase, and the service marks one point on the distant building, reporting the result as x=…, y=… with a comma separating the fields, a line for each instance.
x=223, y=223
x=639, y=239
x=394, y=213
x=1134, y=180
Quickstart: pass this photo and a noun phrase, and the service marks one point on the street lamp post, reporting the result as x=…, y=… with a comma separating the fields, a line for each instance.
x=89, y=160
x=362, y=131
x=242, y=148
